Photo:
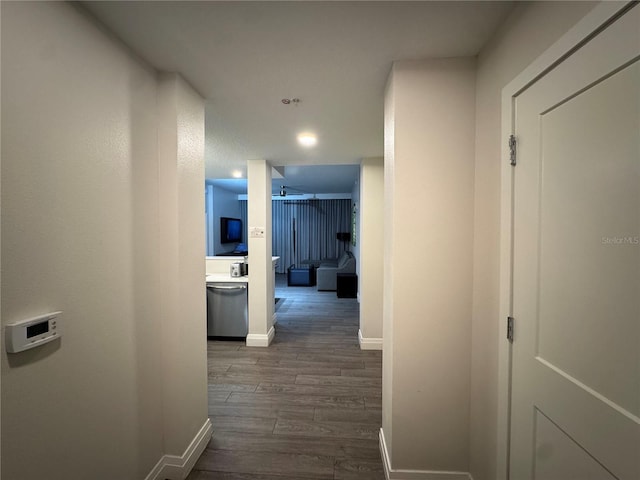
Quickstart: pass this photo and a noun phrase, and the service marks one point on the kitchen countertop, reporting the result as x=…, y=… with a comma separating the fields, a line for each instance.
x=225, y=277
x=239, y=258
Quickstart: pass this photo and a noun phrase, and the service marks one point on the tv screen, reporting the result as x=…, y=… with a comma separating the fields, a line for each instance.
x=230, y=230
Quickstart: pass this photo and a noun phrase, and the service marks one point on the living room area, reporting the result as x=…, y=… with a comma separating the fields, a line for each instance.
x=320, y=245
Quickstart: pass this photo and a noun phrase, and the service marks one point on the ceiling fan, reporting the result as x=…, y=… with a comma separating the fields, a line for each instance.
x=312, y=201
x=284, y=191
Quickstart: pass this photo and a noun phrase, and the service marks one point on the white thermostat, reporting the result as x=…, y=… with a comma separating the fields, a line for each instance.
x=32, y=332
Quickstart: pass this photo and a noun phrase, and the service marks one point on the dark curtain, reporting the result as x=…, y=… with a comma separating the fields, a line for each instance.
x=306, y=229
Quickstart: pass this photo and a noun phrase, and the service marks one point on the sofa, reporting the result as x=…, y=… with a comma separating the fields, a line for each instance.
x=327, y=272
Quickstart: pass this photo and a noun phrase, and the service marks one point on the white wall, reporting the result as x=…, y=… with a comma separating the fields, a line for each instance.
x=181, y=239
x=530, y=29
x=82, y=210
x=371, y=241
x=261, y=278
x=428, y=177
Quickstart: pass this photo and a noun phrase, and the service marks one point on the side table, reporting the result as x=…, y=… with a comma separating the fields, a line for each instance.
x=347, y=285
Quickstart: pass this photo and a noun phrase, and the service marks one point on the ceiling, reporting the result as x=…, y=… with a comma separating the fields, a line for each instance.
x=335, y=57
x=298, y=180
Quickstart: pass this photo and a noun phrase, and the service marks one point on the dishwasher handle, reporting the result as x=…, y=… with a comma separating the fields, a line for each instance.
x=227, y=287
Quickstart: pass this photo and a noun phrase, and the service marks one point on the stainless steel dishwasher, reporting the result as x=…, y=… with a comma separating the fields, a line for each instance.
x=227, y=309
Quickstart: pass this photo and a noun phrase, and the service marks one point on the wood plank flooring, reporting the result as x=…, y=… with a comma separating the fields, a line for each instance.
x=307, y=407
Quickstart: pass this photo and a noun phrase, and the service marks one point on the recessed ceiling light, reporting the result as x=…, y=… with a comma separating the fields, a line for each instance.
x=307, y=139
x=236, y=174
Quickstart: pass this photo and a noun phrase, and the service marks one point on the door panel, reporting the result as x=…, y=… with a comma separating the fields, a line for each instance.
x=560, y=458
x=576, y=272
x=589, y=235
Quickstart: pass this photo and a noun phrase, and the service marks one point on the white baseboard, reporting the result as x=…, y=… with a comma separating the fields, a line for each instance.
x=174, y=467
x=260, y=340
x=400, y=474
x=369, y=343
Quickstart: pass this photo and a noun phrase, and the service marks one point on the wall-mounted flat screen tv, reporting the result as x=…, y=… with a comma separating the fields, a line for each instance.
x=230, y=230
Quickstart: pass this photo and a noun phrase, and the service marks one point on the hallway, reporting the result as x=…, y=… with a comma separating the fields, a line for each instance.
x=307, y=407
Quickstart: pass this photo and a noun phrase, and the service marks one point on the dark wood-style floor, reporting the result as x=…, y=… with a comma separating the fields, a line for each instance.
x=307, y=407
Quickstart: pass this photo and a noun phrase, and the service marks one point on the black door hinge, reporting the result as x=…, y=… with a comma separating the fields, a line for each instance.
x=510, y=329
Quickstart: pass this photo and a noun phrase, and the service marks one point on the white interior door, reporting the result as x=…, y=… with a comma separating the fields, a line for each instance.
x=576, y=271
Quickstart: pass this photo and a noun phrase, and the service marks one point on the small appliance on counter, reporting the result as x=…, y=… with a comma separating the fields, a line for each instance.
x=236, y=269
